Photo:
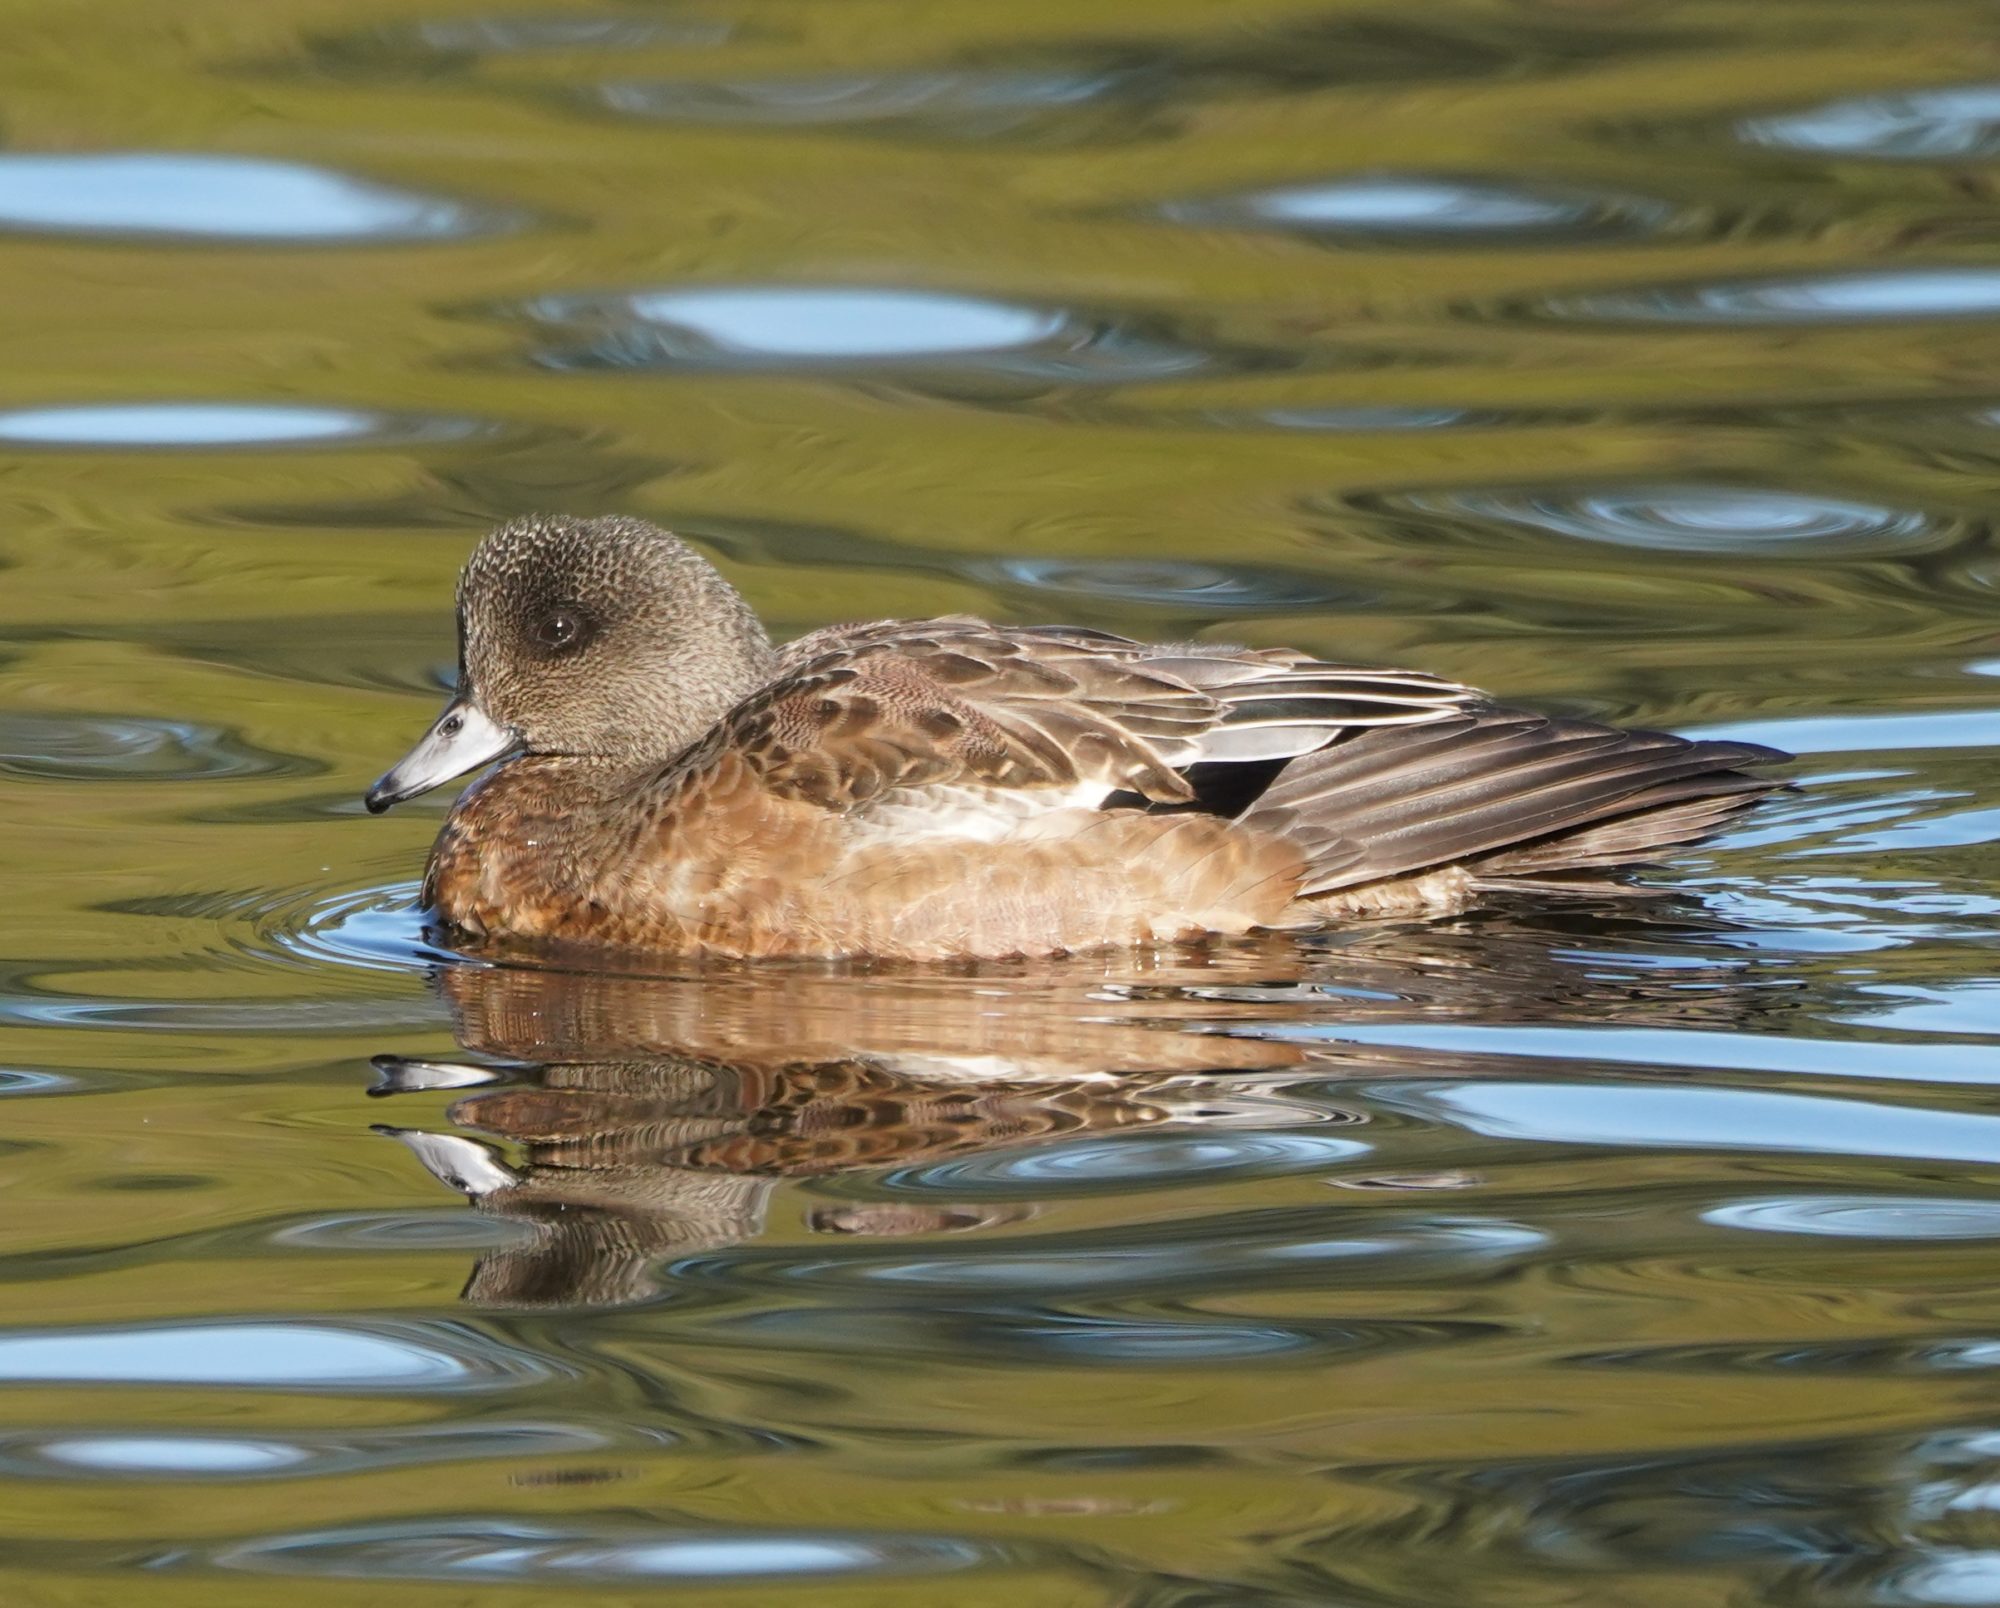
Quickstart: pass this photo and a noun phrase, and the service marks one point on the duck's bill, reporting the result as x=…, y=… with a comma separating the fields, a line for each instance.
x=463, y=1164
x=461, y=739
x=401, y=1074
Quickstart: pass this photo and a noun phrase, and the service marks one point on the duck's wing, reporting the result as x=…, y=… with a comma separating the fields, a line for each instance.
x=1278, y=703
x=954, y=703
x=1509, y=793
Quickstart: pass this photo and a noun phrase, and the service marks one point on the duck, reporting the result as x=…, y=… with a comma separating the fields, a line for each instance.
x=661, y=777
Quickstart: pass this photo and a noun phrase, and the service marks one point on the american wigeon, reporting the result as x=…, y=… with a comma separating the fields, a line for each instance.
x=925, y=789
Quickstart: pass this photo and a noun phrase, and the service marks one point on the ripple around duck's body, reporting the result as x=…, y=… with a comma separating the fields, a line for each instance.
x=380, y=928
x=1717, y=521
x=1425, y=211
x=1924, y=125
x=194, y=197
x=377, y=928
x=366, y=930
x=41, y=747
x=190, y=426
x=856, y=330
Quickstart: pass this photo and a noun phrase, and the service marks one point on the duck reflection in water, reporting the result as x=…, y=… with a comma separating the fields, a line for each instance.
x=644, y=1119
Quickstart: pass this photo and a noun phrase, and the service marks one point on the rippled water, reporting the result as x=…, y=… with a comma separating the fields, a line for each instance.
x=1635, y=358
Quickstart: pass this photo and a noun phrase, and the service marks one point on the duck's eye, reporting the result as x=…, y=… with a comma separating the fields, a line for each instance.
x=563, y=630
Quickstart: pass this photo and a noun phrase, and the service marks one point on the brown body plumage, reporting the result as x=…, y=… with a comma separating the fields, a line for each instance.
x=940, y=788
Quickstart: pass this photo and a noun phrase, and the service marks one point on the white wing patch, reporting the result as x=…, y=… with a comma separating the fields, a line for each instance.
x=972, y=814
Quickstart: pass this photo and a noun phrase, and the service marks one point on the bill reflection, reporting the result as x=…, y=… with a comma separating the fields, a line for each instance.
x=625, y=1127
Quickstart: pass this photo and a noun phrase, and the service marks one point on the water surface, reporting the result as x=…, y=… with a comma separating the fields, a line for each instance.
x=1636, y=361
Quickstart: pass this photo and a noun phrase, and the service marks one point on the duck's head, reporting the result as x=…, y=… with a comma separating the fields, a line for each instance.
x=598, y=638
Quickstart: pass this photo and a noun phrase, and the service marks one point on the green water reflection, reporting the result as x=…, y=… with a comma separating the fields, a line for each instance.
x=1636, y=358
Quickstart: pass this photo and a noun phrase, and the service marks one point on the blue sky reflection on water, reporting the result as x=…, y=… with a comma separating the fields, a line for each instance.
x=269, y=1356
x=1598, y=1245
x=1960, y=120
x=828, y=322
x=203, y=196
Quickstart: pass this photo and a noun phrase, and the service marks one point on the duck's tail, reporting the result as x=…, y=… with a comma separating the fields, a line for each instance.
x=1505, y=793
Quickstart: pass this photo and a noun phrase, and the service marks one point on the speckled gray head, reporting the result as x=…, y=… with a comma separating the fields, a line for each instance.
x=597, y=638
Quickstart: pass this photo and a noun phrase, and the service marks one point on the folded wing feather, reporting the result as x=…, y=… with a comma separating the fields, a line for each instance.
x=944, y=703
